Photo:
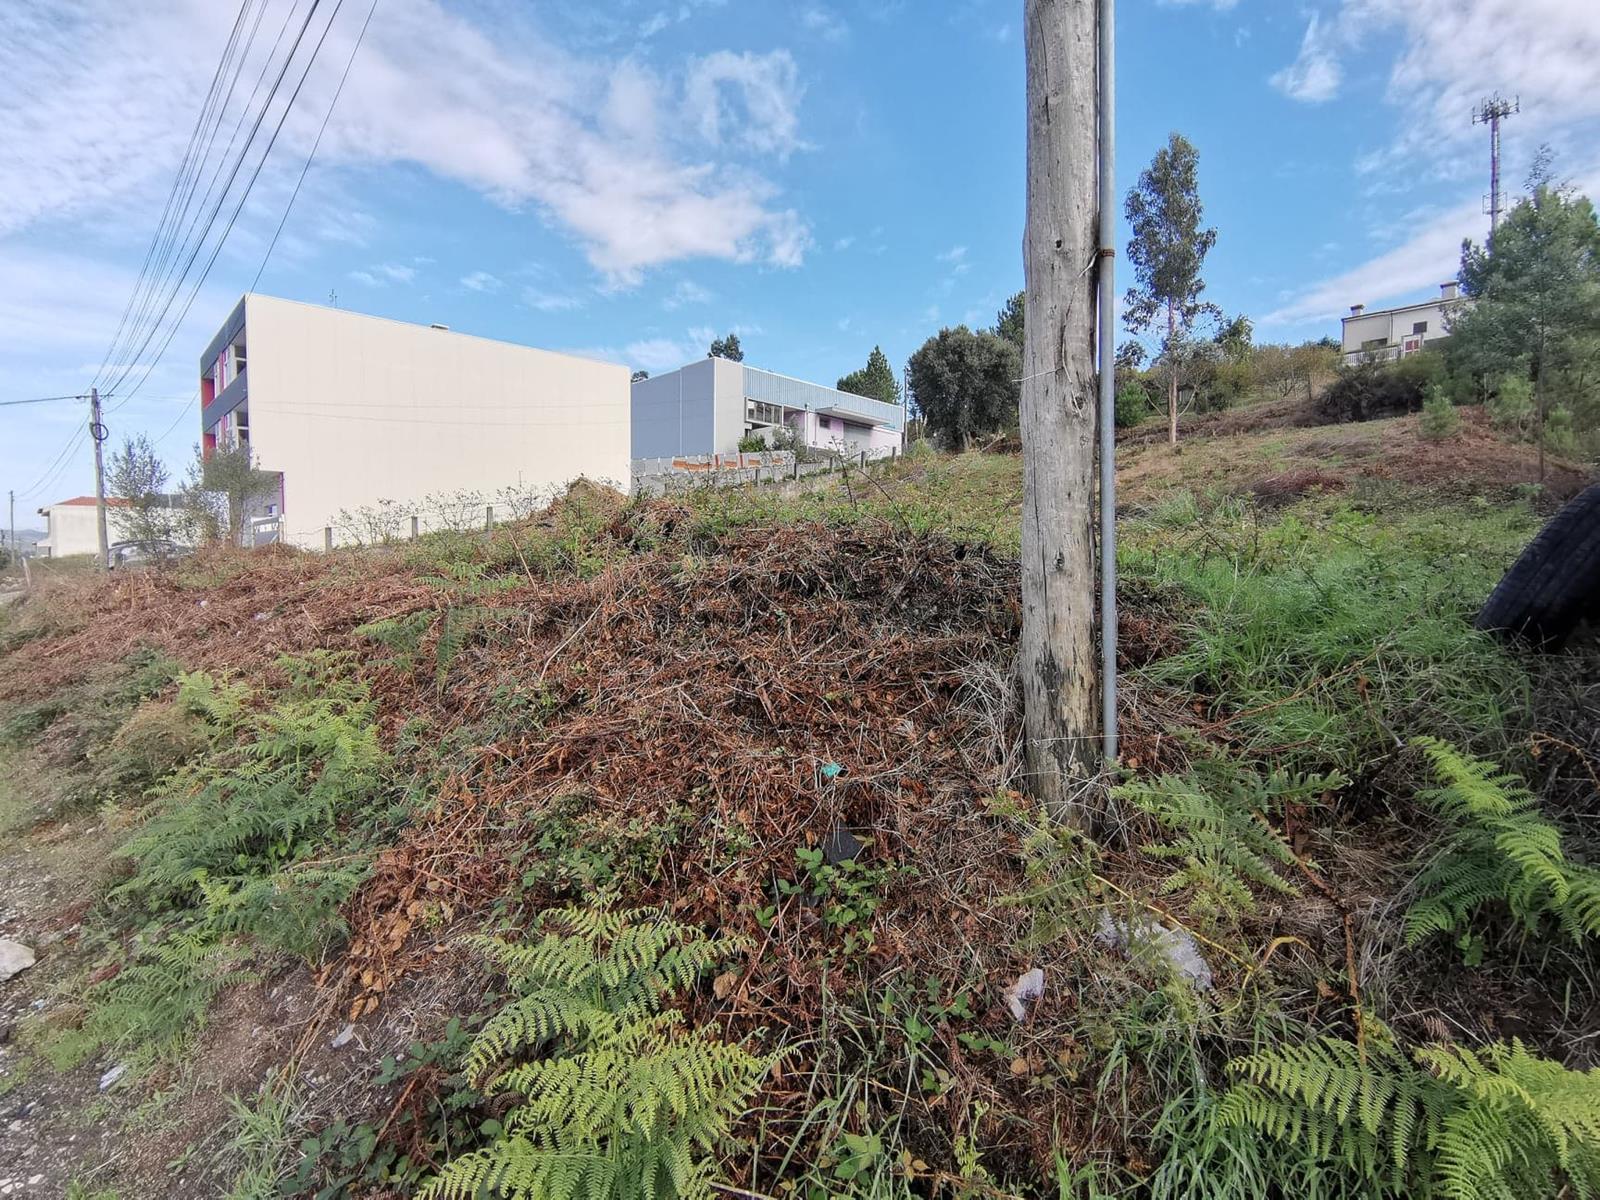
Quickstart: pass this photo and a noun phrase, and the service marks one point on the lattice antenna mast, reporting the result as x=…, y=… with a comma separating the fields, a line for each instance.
x=1491, y=112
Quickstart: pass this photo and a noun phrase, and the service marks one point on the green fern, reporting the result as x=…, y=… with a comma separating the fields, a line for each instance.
x=1446, y=1122
x=403, y=635
x=1498, y=848
x=230, y=840
x=1218, y=833
x=150, y=1009
x=619, y=1099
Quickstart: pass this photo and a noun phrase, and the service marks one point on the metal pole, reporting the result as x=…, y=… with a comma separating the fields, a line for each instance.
x=11, y=498
x=97, y=432
x=1108, y=380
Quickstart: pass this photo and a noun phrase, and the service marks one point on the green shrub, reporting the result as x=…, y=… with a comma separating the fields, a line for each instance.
x=1497, y=849
x=1511, y=406
x=1439, y=417
x=614, y=1098
x=1444, y=1122
x=1368, y=391
x=230, y=838
x=1133, y=404
x=1216, y=833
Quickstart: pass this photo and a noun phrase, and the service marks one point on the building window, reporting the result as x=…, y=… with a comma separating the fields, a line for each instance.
x=1375, y=343
x=1420, y=327
x=766, y=414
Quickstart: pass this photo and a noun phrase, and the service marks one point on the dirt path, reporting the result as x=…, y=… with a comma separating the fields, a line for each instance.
x=48, y=1137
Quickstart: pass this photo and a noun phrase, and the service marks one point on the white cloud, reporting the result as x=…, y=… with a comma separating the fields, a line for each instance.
x=687, y=292
x=1452, y=53
x=1430, y=255
x=845, y=242
x=824, y=23
x=481, y=281
x=1219, y=5
x=550, y=301
x=97, y=99
x=746, y=100
x=385, y=273
x=667, y=353
x=953, y=255
x=1315, y=75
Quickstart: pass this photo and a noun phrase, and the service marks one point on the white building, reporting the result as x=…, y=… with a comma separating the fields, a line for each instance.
x=1391, y=333
x=708, y=406
x=351, y=409
x=70, y=526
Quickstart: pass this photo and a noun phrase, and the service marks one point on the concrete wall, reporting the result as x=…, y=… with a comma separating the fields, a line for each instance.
x=675, y=413
x=71, y=529
x=355, y=409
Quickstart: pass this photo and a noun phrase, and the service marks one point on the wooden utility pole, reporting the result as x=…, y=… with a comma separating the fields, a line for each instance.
x=11, y=501
x=97, y=434
x=1060, y=249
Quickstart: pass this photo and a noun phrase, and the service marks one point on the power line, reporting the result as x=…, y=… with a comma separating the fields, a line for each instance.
x=40, y=400
x=177, y=286
x=173, y=250
x=239, y=207
x=323, y=128
x=156, y=237
x=56, y=465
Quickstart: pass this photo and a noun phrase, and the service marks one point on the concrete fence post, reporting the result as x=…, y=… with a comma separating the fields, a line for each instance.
x=414, y=531
x=327, y=537
x=488, y=516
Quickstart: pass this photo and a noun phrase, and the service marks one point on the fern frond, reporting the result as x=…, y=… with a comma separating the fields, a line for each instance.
x=1216, y=828
x=1498, y=848
x=603, y=1076
x=1449, y=1121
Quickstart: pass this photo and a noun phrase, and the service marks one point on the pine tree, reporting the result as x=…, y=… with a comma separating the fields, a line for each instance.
x=1168, y=249
x=876, y=380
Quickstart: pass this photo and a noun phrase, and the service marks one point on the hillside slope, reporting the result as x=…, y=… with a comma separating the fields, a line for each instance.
x=257, y=808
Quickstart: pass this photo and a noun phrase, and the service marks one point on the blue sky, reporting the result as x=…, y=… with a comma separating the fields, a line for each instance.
x=629, y=179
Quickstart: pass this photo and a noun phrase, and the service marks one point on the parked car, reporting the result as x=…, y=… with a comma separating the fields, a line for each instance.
x=127, y=554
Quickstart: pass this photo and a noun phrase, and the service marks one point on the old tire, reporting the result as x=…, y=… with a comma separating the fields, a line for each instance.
x=1555, y=583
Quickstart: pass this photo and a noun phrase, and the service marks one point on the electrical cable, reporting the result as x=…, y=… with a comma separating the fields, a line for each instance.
x=177, y=180
x=40, y=400
x=243, y=196
x=176, y=245
x=323, y=128
x=227, y=187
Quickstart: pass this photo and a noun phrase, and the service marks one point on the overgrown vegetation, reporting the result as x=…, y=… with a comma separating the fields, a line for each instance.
x=723, y=788
x=617, y=1098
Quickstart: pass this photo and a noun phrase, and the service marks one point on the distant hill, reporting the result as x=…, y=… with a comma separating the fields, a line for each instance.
x=26, y=538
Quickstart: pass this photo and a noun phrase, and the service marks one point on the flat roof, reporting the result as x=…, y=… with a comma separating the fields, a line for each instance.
x=236, y=318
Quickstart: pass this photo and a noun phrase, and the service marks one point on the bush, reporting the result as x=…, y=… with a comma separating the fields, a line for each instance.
x=1511, y=406
x=1439, y=417
x=1370, y=391
x=1133, y=404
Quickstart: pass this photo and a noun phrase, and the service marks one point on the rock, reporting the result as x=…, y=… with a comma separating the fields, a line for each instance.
x=111, y=1076
x=342, y=1038
x=15, y=958
x=840, y=846
x=1146, y=936
x=1028, y=988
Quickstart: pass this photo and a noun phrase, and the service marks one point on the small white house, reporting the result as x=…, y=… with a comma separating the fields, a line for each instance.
x=70, y=526
x=1389, y=333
